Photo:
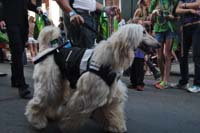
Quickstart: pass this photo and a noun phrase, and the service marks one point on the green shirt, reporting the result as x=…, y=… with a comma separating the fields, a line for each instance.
x=160, y=24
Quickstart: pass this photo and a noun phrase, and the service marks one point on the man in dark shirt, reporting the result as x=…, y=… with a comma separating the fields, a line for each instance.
x=14, y=17
x=189, y=11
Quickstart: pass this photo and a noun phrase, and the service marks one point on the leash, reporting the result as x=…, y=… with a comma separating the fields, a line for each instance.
x=42, y=56
x=93, y=30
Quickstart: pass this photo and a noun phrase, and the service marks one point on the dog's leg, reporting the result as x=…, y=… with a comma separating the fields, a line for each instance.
x=112, y=115
x=36, y=114
x=92, y=92
x=48, y=94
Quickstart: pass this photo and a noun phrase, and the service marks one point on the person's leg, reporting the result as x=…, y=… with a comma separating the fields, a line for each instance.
x=160, y=59
x=186, y=44
x=140, y=74
x=17, y=67
x=196, y=54
x=16, y=55
x=167, y=56
x=133, y=74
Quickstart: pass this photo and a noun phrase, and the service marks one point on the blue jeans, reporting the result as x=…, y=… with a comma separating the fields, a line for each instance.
x=190, y=37
x=80, y=35
x=163, y=36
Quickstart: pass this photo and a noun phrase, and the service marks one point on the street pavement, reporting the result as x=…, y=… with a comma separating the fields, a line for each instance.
x=150, y=111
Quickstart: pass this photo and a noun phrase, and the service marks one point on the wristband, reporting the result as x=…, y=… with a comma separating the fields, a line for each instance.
x=72, y=13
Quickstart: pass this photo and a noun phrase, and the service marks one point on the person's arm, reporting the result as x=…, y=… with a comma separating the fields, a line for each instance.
x=32, y=6
x=74, y=17
x=152, y=5
x=193, y=5
x=181, y=10
x=111, y=10
x=99, y=7
x=64, y=5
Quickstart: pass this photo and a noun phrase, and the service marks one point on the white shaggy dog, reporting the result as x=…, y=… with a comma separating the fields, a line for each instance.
x=93, y=97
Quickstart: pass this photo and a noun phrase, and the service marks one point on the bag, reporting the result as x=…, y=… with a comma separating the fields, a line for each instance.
x=3, y=37
x=39, y=25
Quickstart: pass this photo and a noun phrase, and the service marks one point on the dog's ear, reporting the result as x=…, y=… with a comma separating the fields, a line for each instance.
x=46, y=35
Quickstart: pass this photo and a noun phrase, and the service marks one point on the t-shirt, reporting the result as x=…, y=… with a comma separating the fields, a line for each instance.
x=89, y=5
x=189, y=18
x=161, y=24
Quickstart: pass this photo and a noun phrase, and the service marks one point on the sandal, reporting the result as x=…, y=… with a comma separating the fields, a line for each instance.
x=162, y=85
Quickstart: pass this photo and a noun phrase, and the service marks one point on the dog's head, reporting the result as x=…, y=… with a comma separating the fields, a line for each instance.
x=134, y=36
x=47, y=34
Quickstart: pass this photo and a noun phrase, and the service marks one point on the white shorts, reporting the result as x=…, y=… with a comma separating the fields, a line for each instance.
x=31, y=40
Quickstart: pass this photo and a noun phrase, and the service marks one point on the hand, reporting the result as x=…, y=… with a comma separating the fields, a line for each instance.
x=2, y=25
x=39, y=10
x=112, y=10
x=170, y=16
x=192, y=11
x=156, y=12
x=76, y=19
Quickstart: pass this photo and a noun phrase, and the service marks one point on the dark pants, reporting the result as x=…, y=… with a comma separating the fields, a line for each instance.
x=191, y=35
x=17, y=36
x=137, y=72
x=80, y=35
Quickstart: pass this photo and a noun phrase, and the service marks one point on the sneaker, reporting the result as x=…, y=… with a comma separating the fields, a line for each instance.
x=139, y=87
x=180, y=86
x=157, y=82
x=162, y=85
x=194, y=89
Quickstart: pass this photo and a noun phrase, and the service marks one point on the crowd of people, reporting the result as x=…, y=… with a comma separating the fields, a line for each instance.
x=174, y=23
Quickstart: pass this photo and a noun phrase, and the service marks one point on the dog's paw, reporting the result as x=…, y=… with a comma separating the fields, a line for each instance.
x=39, y=125
x=115, y=130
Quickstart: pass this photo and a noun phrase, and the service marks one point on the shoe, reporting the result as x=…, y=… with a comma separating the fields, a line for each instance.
x=24, y=93
x=180, y=86
x=2, y=74
x=162, y=85
x=157, y=82
x=194, y=89
x=139, y=87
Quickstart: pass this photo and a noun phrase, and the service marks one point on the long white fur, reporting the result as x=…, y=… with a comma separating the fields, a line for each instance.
x=93, y=98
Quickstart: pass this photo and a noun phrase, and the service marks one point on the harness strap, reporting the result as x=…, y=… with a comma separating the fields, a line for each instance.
x=104, y=72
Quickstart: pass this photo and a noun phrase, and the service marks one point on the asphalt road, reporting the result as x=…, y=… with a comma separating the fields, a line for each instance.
x=150, y=111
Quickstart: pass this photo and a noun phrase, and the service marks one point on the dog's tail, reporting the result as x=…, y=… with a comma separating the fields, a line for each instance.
x=47, y=34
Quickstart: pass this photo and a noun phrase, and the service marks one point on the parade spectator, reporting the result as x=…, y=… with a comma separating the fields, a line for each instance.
x=137, y=71
x=119, y=19
x=32, y=43
x=80, y=13
x=15, y=19
x=161, y=11
x=189, y=10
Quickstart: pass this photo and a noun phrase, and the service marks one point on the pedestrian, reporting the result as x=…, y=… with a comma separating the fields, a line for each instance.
x=161, y=11
x=32, y=43
x=15, y=19
x=79, y=14
x=137, y=71
x=189, y=11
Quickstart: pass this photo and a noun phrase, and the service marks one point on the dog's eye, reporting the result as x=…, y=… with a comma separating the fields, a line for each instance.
x=144, y=32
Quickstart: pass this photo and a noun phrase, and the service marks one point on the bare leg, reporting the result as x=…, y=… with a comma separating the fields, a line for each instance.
x=167, y=56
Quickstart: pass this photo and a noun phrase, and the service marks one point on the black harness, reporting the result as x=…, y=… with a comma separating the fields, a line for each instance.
x=69, y=59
